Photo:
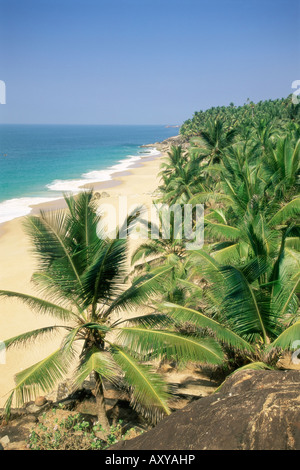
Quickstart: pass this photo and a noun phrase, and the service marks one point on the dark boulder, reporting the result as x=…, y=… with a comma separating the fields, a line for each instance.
x=253, y=410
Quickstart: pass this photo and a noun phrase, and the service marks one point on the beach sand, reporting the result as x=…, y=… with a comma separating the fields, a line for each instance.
x=17, y=266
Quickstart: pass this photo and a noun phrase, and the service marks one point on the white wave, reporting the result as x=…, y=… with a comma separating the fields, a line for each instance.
x=98, y=176
x=149, y=152
x=19, y=207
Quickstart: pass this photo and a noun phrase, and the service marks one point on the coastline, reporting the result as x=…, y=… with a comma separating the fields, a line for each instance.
x=21, y=206
x=138, y=183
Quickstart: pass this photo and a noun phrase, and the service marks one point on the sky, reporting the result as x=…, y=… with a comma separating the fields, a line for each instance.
x=143, y=61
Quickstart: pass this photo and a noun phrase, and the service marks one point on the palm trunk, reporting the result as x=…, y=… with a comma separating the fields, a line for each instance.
x=100, y=403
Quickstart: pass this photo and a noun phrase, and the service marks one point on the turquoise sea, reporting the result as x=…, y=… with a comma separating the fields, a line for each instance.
x=40, y=162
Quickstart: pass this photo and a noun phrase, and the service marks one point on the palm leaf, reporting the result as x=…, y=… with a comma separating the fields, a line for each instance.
x=223, y=231
x=31, y=336
x=41, y=376
x=39, y=305
x=245, y=311
x=99, y=282
x=288, y=338
x=95, y=361
x=142, y=289
x=255, y=366
x=163, y=343
x=285, y=302
x=227, y=254
x=148, y=321
x=291, y=209
x=183, y=314
x=149, y=394
x=49, y=234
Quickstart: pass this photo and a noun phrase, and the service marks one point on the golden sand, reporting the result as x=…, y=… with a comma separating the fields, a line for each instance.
x=18, y=265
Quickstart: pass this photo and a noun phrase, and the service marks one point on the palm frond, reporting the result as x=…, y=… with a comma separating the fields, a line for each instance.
x=43, y=375
x=226, y=254
x=146, y=286
x=222, y=231
x=101, y=278
x=39, y=305
x=183, y=314
x=49, y=235
x=169, y=344
x=147, y=321
x=245, y=311
x=95, y=361
x=291, y=209
x=31, y=336
x=289, y=339
x=149, y=394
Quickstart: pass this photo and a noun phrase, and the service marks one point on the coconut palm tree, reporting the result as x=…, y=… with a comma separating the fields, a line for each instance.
x=173, y=162
x=249, y=212
x=166, y=242
x=215, y=138
x=81, y=285
x=181, y=184
x=263, y=316
x=282, y=168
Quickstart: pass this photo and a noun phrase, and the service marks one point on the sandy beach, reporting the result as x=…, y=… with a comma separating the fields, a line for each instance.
x=17, y=266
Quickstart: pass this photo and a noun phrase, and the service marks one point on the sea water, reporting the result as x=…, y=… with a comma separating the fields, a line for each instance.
x=39, y=163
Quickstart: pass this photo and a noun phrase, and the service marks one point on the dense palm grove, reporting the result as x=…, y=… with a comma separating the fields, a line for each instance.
x=233, y=303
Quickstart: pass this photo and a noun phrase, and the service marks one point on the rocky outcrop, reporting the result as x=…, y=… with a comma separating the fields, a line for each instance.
x=186, y=385
x=168, y=143
x=253, y=410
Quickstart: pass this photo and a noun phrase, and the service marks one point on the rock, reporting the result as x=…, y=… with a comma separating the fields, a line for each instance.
x=51, y=396
x=32, y=408
x=1, y=447
x=64, y=390
x=253, y=410
x=122, y=411
x=29, y=419
x=105, y=194
x=5, y=440
x=87, y=406
x=68, y=404
x=40, y=401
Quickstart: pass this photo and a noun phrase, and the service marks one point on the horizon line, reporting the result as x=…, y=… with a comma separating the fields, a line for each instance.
x=82, y=124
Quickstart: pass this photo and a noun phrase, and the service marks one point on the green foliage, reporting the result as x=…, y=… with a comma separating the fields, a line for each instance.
x=243, y=287
x=73, y=432
x=238, y=297
x=275, y=112
x=83, y=276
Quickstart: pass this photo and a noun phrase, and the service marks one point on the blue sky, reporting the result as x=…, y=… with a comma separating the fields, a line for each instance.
x=143, y=61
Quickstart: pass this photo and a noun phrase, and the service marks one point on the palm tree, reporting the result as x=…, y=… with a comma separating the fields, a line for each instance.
x=249, y=216
x=166, y=243
x=182, y=179
x=175, y=159
x=165, y=250
x=263, y=317
x=251, y=228
x=264, y=135
x=215, y=138
x=282, y=167
x=81, y=276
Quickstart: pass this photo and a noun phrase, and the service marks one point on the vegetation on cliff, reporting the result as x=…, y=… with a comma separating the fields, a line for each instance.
x=234, y=302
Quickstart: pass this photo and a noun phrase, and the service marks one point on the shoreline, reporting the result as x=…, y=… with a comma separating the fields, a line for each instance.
x=132, y=161
x=138, y=184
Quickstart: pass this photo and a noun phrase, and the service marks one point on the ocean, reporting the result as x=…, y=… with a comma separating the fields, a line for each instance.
x=38, y=163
